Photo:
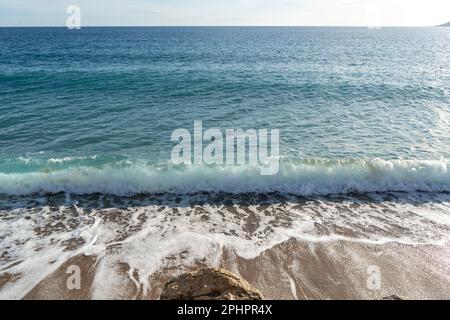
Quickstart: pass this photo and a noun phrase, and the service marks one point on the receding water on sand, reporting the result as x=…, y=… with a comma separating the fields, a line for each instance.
x=143, y=239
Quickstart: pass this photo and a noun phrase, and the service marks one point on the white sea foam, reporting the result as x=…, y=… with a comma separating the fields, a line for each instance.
x=144, y=232
x=311, y=177
x=70, y=159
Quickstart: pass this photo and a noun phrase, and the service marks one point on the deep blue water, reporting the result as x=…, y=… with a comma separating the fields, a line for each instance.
x=92, y=110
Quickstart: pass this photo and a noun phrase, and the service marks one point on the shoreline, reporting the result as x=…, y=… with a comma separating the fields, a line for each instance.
x=285, y=246
x=291, y=270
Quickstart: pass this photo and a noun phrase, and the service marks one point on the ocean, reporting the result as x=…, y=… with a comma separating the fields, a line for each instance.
x=86, y=118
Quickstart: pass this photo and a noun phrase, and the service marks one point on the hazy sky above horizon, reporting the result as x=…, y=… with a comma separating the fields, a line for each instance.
x=228, y=12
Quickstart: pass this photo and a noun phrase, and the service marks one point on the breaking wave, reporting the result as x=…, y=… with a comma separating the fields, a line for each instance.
x=301, y=177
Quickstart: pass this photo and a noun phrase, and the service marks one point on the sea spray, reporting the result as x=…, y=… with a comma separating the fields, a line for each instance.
x=296, y=176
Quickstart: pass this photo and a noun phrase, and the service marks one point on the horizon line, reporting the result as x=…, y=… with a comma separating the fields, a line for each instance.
x=222, y=26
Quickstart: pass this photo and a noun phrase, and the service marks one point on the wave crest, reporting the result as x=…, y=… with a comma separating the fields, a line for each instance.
x=305, y=177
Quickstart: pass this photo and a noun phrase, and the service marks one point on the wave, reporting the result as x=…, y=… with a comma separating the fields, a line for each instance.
x=301, y=177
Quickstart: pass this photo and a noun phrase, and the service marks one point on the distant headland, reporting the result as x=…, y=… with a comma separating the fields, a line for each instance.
x=445, y=24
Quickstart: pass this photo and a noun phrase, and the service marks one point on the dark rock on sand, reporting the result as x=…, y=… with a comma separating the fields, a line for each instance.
x=393, y=297
x=209, y=284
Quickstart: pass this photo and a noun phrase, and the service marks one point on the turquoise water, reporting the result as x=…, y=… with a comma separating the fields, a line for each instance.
x=92, y=110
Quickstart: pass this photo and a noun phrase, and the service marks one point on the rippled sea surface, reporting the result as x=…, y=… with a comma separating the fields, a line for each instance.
x=101, y=103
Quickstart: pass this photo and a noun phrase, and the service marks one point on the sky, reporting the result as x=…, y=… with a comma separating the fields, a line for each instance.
x=227, y=12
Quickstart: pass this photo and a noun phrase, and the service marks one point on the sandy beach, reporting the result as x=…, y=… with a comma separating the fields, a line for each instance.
x=287, y=247
x=291, y=270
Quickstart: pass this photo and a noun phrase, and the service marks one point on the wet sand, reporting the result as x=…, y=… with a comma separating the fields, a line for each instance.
x=291, y=270
x=55, y=286
x=288, y=247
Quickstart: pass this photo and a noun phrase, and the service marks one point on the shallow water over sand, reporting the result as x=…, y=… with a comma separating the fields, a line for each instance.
x=145, y=237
